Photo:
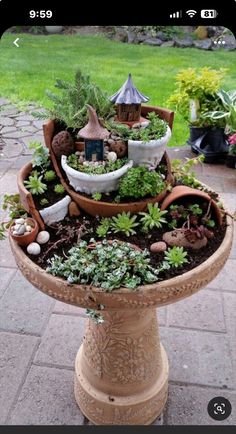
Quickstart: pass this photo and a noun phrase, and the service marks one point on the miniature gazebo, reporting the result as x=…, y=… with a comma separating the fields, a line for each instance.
x=128, y=100
x=93, y=134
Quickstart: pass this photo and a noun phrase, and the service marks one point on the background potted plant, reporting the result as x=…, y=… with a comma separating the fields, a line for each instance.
x=231, y=157
x=196, y=95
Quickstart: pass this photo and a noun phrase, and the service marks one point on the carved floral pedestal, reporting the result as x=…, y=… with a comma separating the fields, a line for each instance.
x=121, y=369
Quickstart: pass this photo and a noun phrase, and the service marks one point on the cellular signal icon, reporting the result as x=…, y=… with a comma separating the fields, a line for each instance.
x=177, y=14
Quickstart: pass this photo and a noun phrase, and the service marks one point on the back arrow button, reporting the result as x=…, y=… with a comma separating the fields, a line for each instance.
x=15, y=42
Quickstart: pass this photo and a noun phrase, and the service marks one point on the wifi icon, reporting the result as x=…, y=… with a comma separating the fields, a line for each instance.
x=191, y=13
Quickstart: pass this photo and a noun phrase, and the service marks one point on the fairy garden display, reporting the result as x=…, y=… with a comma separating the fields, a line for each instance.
x=101, y=204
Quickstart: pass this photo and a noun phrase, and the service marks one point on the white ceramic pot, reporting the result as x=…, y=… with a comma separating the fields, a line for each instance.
x=53, y=29
x=90, y=184
x=56, y=212
x=148, y=153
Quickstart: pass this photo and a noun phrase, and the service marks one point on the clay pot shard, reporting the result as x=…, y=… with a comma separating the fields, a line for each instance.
x=178, y=238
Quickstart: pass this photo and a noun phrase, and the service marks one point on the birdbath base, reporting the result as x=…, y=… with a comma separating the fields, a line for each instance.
x=121, y=369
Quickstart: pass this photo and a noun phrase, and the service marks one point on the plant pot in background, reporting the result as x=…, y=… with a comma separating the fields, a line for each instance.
x=210, y=142
x=231, y=161
x=53, y=29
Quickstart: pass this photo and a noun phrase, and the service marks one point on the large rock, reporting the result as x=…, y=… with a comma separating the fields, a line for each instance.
x=168, y=44
x=121, y=35
x=201, y=32
x=132, y=37
x=183, y=43
x=230, y=42
x=205, y=44
x=153, y=41
x=178, y=238
x=162, y=36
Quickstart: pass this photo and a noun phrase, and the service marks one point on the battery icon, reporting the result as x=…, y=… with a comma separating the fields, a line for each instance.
x=208, y=13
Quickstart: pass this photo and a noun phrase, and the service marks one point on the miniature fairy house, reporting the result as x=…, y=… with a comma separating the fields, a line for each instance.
x=128, y=100
x=93, y=134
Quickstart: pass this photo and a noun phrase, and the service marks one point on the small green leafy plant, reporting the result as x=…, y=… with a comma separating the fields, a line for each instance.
x=97, y=196
x=49, y=175
x=12, y=204
x=43, y=201
x=176, y=256
x=94, y=316
x=35, y=184
x=103, y=228
x=40, y=156
x=59, y=189
x=153, y=218
x=156, y=129
x=124, y=223
x=183, y=173
x=140, y=182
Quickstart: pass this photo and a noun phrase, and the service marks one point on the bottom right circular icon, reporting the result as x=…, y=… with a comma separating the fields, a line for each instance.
x=219, y=408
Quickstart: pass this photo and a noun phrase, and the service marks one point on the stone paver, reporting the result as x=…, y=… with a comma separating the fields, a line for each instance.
x=188, y=406
x=198, y=357
x=16, y=352
x=23, y=309
x=36, y=371
x=202, y=311
x=61, y=340
x=47, y=398
x=6, y=274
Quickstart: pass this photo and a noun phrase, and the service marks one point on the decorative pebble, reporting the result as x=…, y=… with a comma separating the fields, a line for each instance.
x=178, y=238
x=29, y=228
x=112, y=156
x=21, y=230
x=43, y=237
x=81, y=159
x=20, y=221
x=111, y=141
x=160, y=246
x=33, y=249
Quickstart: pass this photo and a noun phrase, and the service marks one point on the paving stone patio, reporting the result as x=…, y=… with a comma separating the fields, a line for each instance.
x=39, y=337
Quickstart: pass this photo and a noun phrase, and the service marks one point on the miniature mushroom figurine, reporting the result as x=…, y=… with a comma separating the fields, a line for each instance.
x=128, y=100
x=94, y=135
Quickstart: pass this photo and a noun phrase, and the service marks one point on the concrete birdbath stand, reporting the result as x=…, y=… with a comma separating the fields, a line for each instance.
x=121, y=369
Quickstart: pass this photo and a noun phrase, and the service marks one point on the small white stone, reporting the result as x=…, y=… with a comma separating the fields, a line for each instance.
x=112, y=156
x=86, y=163
x=17, y=226
x=81, y=159
x=15, y=233
x=34, y=249
x=29, y=228
x=26, y=233
x=21, y=230
x=144, y=124
x=20, y=221
x=43, y=237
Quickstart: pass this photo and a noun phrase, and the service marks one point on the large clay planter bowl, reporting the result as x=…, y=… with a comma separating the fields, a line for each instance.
x=121, y=369
x=183, y=191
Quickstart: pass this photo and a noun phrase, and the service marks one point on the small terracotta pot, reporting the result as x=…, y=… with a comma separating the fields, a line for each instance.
x=183, y=191
x=25, y=240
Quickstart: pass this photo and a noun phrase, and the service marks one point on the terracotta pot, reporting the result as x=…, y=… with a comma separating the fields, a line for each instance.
x=93, y=207
x=26, y=197
x=121, y=369
x=24, y=240
x=183, y=191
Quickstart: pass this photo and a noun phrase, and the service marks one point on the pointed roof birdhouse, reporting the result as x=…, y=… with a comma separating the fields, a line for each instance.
x=128, y=100
x=93, y=134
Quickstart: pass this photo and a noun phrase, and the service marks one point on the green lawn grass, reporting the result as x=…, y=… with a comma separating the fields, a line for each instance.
x=26, y=72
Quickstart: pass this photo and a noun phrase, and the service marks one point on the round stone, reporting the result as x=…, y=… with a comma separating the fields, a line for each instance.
x=20, y=230
x=160, y=246
x=112, y=156
x=33, y=249
x=28, y=228
x=43, y=237
x=20, y=221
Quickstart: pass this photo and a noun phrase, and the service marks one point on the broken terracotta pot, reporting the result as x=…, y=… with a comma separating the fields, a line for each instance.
x=182, y=191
